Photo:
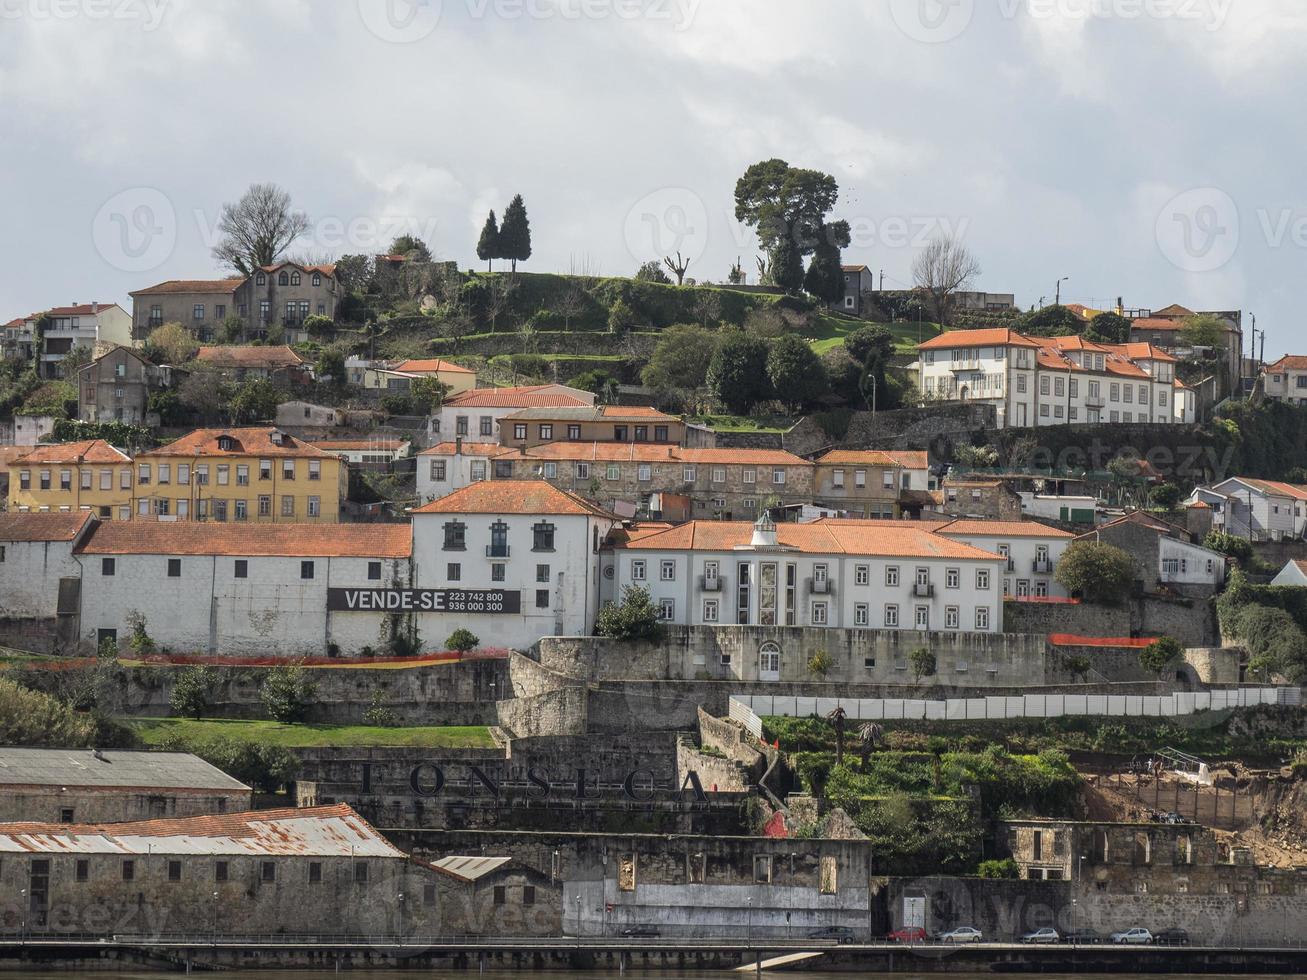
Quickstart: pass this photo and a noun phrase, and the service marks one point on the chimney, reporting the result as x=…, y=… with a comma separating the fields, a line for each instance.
x=95, y=309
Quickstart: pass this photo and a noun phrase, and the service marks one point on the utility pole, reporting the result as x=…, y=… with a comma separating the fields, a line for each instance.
x=882, y=280
x=1058, y=300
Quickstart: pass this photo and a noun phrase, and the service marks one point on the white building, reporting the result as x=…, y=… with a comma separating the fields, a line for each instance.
x=370, y=450
x=1030, y=553
x=451, y=466
x=1038, y=381
x=1259, y=510
x=841, y=574
x=1286, y=379
x=530, y=549
x=81, y=325
x=36, y=554
x=475, y=414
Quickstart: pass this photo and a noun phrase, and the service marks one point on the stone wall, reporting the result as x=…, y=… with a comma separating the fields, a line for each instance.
x=33, y=635
x=564, y=711
x=1191, y=621
x=913, y=428
x=716, y=773
x=114, y=805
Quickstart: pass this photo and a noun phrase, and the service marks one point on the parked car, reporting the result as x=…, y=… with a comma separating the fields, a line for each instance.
x=841, y=934
x=961, y=934
x=1082, y=937
x=1133, y=937
x=1044, y=935
x=1171, y=937
x=908, y=934
x=640, y=932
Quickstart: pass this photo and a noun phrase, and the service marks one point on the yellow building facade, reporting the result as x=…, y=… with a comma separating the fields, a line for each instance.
x=254, y=475
x=72, y=476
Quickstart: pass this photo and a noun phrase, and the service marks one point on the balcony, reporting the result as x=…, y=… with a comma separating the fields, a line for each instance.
x=822, y=587
x=497, y=550
x=715, y=584
x=1095, y=401
x=1043, y=566
x=923, y=590
x=966, y=365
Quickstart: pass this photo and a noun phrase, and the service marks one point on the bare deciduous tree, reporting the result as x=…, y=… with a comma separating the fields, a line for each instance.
x=940, y=270
x=258, y=228
x=499, y=295
x=678, y=267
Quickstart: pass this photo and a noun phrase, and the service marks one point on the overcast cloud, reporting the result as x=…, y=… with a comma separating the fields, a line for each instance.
x=1148, y=149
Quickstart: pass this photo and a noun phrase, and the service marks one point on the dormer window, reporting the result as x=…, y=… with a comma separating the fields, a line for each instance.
x=294, y=278
x=260, y=280
x=283, y=279
x=226, y=443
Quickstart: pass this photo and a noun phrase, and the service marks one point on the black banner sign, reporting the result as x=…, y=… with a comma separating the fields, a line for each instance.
x=491, y=602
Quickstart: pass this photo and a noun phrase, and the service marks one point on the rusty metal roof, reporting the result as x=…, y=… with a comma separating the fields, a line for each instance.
x=325, y=831
x=110, y=769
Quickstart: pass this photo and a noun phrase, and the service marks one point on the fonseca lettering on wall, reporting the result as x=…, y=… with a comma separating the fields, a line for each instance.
x=492, y=602
x=428, y=781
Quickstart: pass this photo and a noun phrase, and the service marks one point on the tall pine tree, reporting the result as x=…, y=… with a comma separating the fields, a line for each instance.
x=515, y=233
x=488, y=244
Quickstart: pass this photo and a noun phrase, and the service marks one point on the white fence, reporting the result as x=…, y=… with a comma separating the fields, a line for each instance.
x=746, y=709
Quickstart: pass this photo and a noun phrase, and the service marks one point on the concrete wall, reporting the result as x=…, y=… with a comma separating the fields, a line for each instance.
x=1191, y=621
x=47, y=804
x=29, y=577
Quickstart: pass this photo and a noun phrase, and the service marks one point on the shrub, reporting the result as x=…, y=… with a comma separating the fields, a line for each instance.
x=1231, y=546
x=820, y=663
x=378, y=713
x=1101, y=573
x=192, y=691
x=634, y=618
x=286, y=693
x=924, y=663
x=1160, y=654
x=140, y=642
x=462, y=640
x=1006, y=868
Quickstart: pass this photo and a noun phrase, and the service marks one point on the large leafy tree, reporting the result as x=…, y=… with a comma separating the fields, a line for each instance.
x=515, y=233
x=1101, y=573
x=825, y=276
x=737, y=374
x=411, y=247
x=257, y=229
x=872, y=347
x=652, y=271
x=1051, y=321
x=1108, y=328
x=788, y=207
x=1205, y=330
x=173, y=342
x=488, y=243
x=943, y=268
x=796, y=373
x=680, y=361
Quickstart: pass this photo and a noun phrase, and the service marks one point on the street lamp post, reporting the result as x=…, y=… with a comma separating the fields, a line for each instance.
x=748, y=934
x=578, y=921
x=22, y=898
x=215, y=918
x=1058, y=294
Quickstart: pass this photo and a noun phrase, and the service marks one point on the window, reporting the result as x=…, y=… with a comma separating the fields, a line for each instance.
x=619, y=433
x=819, y=610
x=666, y=610
x=500, y=895
x=265, y=506
x=750, y=476
x=778, y=477
x=498, y=571
x=306, y=570
x=892, y=616
x=361, y=872
x=861, y=614
x=197, y=311
x=923, y=617
x=315, y=469
x=241, y=568
x=689, y=474
x=519, y=431
x=982, y=579
x=892, y=576
x=129, y=870
x=86, y=479
x=288, y=469
x=106, y=479
x=224, y=474
x=143, y=474
x=174, y=568
x=583, y=471
x=267, y=871
x=455, y=536
x=265, y=469
x=862, y=575
x=438, y=470
x=202, y=475
x=952, y=578
x=108, y=566
x=83, y=869
x=546, y=432
x=710, y=610
x=667, y=570
x=315, y=872
x=314, y=508
x=528, y=895
x=542, y=537
x=503, y=469
x=644, y=473
x=660, y=433
x=454, y=571
x=762, y=868
x=860, y=479
x=542, y=598
x=174, y=871
x=951, y=617
x=287, y=506
x=542, y=574
x=837, y=479
x=638, y=570
x=982, y=618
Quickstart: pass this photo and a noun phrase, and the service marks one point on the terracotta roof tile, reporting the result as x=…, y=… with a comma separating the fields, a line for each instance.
x=618, y=452
x=890, y=539
x=253, y=356
x=536, y=396
x=469, y=449
x=71, y=453
x=432, y=366
x=912, y=460
x=250, y=540
x=82, y=309
x=251, y=441
x=988, y=337
x=1004, y=529
x=1276, y=488
x=224, y=286
x=43, y=527
x=512, y=497
x=1289, y=362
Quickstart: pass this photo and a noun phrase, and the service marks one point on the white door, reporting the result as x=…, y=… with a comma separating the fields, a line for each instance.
x=923, y=618
x=769, y=662
x=914, y=912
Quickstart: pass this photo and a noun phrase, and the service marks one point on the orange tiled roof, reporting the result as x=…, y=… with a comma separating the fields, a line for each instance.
x=251, y=356
x=469, y=449
x=534, y=396
x=224, y=286
x=1004, y=529
x=512, y=497
x=1289, y=362
x=988, y=337
x=1276, y=488
x=639, y=452
x=81, y=309
x=250, y=540
x=908, y=459
x=250, y=441
x=88, y=451
x=634, y=412
x=1175, y=309
x=432, y=366
x=890, y=539
x=1141, y=351
x=43, y=527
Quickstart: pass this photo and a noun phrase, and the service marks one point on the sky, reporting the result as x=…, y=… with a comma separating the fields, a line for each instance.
x=1149, y=150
